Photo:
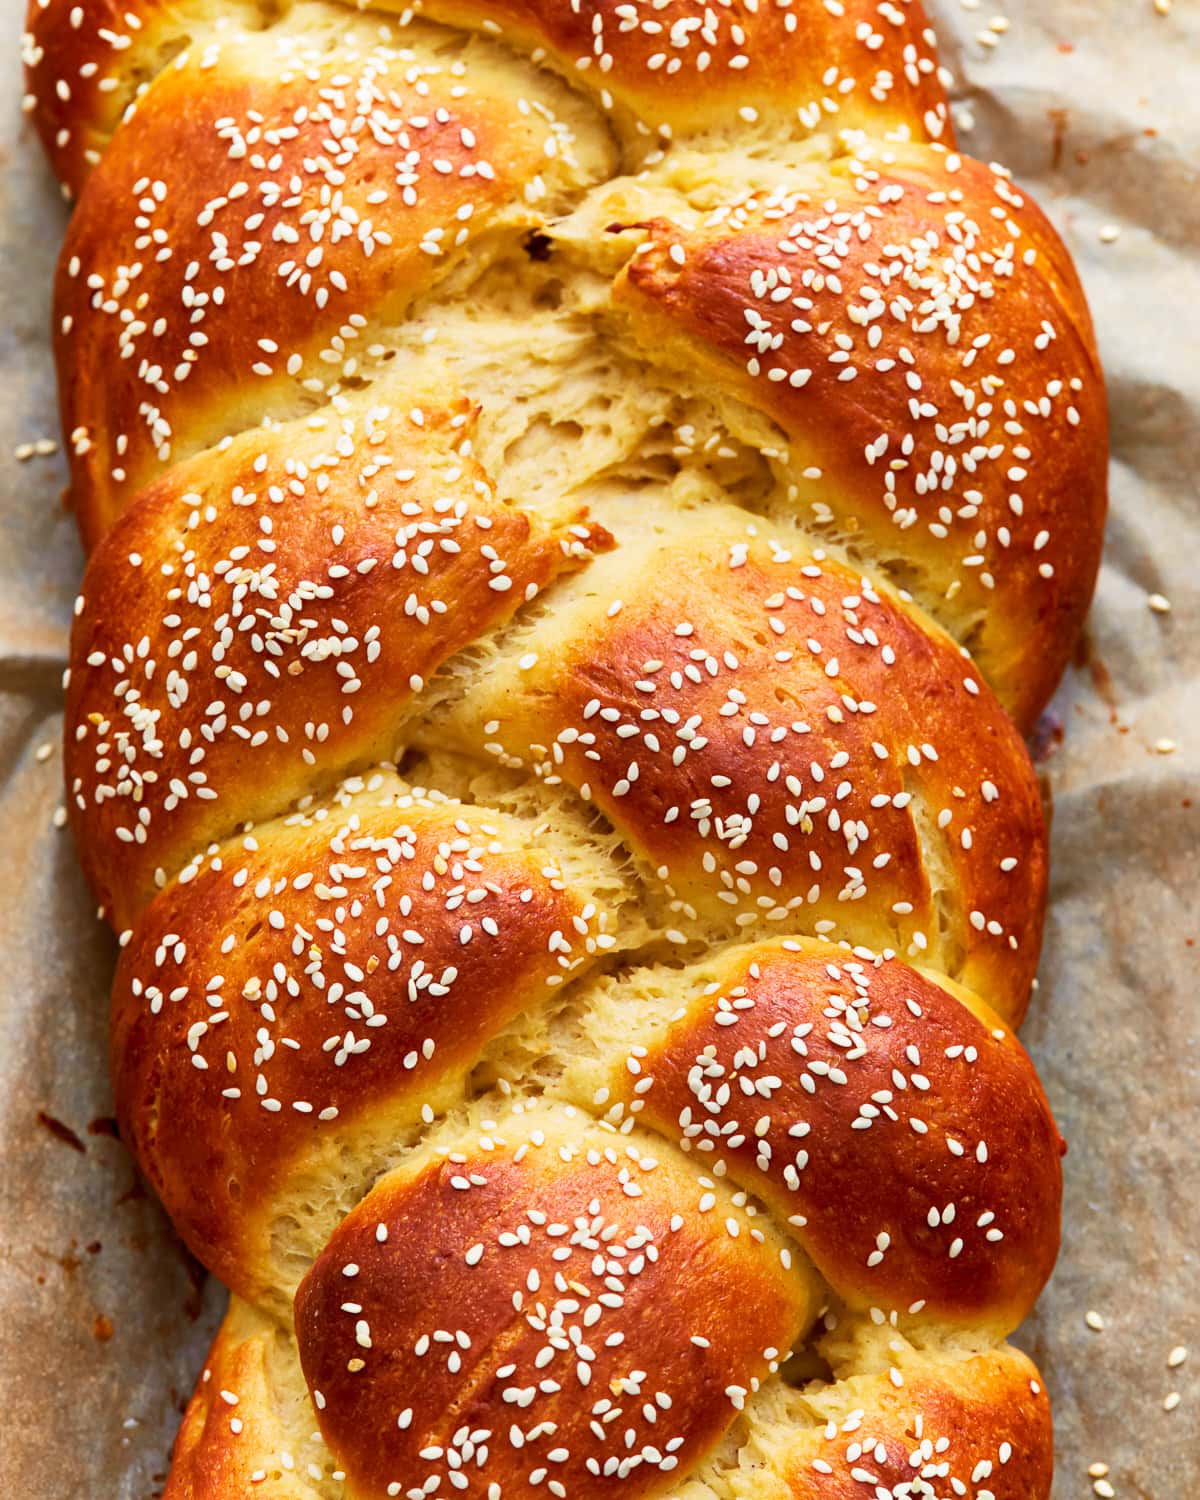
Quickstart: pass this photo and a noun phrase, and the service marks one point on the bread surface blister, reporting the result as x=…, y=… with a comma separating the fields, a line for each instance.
x=583, y=498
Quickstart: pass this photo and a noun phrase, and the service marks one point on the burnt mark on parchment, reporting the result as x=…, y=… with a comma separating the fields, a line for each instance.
x=60, y=1131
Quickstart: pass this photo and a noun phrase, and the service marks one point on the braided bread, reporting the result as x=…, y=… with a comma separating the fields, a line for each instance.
x=583, y=498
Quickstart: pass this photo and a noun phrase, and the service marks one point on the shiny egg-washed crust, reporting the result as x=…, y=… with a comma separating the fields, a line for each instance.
x=786, y=744
x=972, y=1427
x=84, y=64
x=551, y=1277
x=320, y=183
x=555, y=1276
x=686, y=66
x=303, y=998
x=771, y=1063
x=929, y=1426
x=682, y=65
x=981, y=468
x=263, y=619
x=576, y=879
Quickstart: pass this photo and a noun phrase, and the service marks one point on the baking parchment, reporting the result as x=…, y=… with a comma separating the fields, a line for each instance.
x=103, y=1317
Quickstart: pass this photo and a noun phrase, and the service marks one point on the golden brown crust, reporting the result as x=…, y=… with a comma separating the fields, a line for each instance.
x=323, y=188
x=946, y=1424
x=332, y=982
x=550, y=1303
x=978, y=1426
x=787, y=744
x=263, y=619
x=904, y=1139
x=882, y=310
x=681, y=66
x=82, y=64
x=692, y=65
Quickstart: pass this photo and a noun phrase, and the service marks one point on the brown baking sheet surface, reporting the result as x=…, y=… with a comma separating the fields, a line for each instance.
x=104, y=1320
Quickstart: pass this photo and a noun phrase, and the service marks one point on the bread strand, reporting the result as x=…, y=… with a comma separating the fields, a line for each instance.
x=568, y=1071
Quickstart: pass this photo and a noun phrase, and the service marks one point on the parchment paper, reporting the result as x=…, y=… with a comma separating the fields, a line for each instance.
x=104, y=1320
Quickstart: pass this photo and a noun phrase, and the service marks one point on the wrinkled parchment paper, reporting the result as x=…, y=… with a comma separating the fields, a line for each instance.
x=103, y=1318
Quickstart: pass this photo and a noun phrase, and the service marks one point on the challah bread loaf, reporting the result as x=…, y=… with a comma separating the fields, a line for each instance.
x=582, y=498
